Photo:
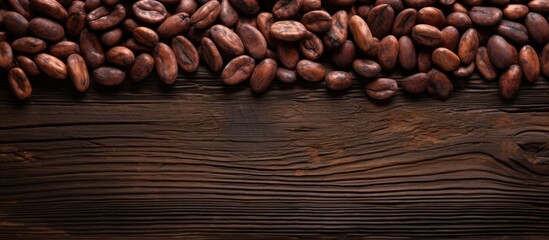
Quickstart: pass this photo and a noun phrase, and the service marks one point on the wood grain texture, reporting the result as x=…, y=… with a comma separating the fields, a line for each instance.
x=198, y=160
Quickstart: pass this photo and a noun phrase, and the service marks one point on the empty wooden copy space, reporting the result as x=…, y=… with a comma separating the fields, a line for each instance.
x=199, y=160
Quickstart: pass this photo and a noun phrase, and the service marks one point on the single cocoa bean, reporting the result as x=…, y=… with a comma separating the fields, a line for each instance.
x=263, y=75
x=78, y=72
x=338, y=80
x=141, y=67
x=310, y=71
x=381, y=88
x=238, y=70
x=109, y=76
x=509, y=82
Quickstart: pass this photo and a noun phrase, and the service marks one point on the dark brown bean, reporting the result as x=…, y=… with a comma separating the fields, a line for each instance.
x=407, y=56
x=458, y=7
x=19, y=83
x=226, y=40
x=539, y=6
x=311, y=47
x=445, y=59
x=254, y=42
x=46, y=29
x=187, y=6
x=338, y=80
x=129, y=25
x=397, y=5
x=529, y=63
x=366, y=67
x=509, y=82
x=381, y=88
x=431, y=16
x=228, y=15
x=166, y=63
x=288, y=54
x=337, y=34
x=381, y=16
x=109, y=76
x=211, y=55
x=465, y=71
x=468, y=46
x=459, y=20
x=103, y=18
x=149, y=11
x=427, y=35
x=6, y=55
x=310, y=71
x=388, y=53
x=22, y=7
x=185, y=53
x=90, y=5
x=286, y=9
x=317, y=21
x=544, y=60
x=145, y=36
x=174, y=25
x=141, y=67
x=361, y=33
x=501, y=52
x=513, y=31
x=264, y=22
x=29, y=45
x=515, y=11
x=51, y=66
x=121, y=56
x=286, y=75
x=50, y=8
x=112, y=37
x=75, y=24
x=16, y=24
x=78, y=72
x=344, y=55
x=63, y=49
x=424, y=62
x=238, y=70
x=311, y=5
x=485, y=16
x=538, y=27
x=439, y=84
x=28, y=65
x=91, y=49
x=404, y=22
x=206, y=15
x=250, y=7
x=263, y=75
x=450, y=38
x=485, y=65
x=288, y=30
x=416, y=83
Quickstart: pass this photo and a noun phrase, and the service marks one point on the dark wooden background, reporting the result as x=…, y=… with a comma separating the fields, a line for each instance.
x=198, y=160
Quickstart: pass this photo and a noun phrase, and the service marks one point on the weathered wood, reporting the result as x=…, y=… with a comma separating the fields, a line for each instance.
x=199, y=160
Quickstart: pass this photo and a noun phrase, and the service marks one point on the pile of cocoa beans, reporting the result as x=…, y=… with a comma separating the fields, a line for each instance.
x=432, y=42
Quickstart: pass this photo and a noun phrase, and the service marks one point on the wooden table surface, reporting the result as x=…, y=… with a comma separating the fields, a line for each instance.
x=199, y=160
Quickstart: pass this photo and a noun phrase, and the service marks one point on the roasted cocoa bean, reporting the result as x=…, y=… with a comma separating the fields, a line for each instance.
x=407, y=56
x=337, y=34
x=431, y=16
x=112, y=37
x=501, y=52
x=51, y=66
x=485, y=65
x=361, y=33
x=288, y=30
x=206, y=15
x=468, y=46
x=228, y=15
x=513, y=31
x=78, y=72
x=485, y=16
x=427, y=35
x=30, y=45
x=538, y=27
x=19, y=83
x=165, y=63
x=388, y=53
x=46, y=29
x=439, y=84
x=416, y=83
x=366, y=67
x=465, y=71
x=141, y=67
x=185, y=53
x=254, y=42
x=509, y=82
x=288, y=54
x=103, y=18
x=145, y=36
x=286, y=75
x=515, y=11
x=529, y=63
x=120, y=56
x=344, y=55
x=338, y=80
x=317, y=21
x=310, y=71
x=15, y=24
x=445, y=59
x=286, y=9
x=211, y=55
x=263, y=75
x=226, y=40
x=381, y=88
x=404, y=22
x=238, y=70
x=311, y=47
x=28, y=65
x=109, y=76
x=149, y=11
x=50, y=8
x=91, y=49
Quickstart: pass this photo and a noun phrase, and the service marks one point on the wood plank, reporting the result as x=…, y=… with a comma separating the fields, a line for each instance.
x=200, y=160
